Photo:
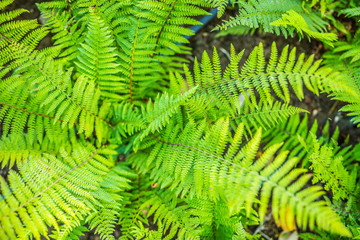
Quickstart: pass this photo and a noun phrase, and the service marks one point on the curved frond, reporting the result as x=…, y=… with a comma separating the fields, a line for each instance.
x=204, y=160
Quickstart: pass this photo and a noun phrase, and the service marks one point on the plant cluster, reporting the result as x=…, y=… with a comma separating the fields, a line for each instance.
x=204, y=153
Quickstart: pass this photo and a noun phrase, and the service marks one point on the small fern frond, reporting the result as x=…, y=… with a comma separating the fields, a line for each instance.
x=156, y=115
x=328, y=168
x=351, y=12
x=294, y=19
x=171, y=213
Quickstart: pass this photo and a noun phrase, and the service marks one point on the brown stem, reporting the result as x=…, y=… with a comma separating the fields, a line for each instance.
x=132, y=62
x=163, y=26
x=34, y=113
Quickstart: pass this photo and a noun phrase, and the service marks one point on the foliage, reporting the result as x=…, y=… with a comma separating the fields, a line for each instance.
x=104, y=129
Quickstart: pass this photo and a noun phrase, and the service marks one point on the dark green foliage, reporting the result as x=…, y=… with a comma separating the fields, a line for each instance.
x=204, y=154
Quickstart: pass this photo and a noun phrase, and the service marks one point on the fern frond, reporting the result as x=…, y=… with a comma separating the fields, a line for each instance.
x=14, y=149
x=50, y=190
x=351, y=12
x=98, y=57
x=257, y=13
x=189, y=157
x=254, y=79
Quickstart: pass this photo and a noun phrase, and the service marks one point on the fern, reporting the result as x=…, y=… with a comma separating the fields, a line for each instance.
x=204, y=153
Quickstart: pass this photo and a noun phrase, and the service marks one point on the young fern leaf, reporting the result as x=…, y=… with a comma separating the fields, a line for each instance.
x=295, y=20
x=97, y=58
x=192, y=157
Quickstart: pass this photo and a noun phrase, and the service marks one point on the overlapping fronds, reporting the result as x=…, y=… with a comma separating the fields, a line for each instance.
x=347, y=87
x=52, y=190
x=68, y=33
x=143, y=75
x=50, y=91
x=173, y=215
x=127, y=121
x=131, y=215
x=348, y=50
x=27, y=32
x=218, y=166
x=246, y=95
x=291, y=132
x=255, y=14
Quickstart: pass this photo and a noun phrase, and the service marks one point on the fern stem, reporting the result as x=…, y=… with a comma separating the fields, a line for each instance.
x=33, y=113
x=132, y=62
x=163, y=26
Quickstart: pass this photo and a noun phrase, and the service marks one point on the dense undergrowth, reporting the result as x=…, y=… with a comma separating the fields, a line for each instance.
x=208, y=153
